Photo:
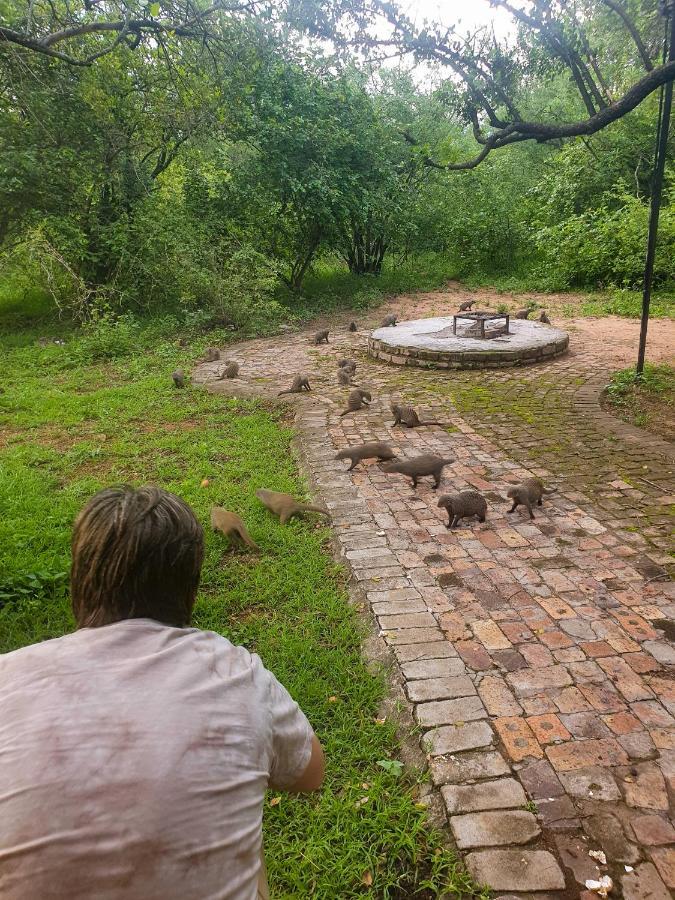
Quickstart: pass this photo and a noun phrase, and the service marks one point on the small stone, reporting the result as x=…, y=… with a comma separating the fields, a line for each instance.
x=490, y=829
x=505, y=793
x=644, y=883
x=516, y=870
x=653, y=830
x=590, y=784
x=455, y=738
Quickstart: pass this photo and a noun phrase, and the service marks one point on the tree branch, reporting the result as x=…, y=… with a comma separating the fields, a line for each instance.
x=634, y=33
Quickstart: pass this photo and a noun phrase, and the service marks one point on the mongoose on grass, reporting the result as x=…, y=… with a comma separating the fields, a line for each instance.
x=211, y=354
x=463, y=506
x=358, y=399
x=418, y=467
x=352, y=326
x=344, y=376
x=528, y=492
x=523, y=313
x=406, y=415
x=178, y=378
x=285, y=506
x=300, y=383
x=372, y=450
x=231, y=526
x=388, y=320
x=544, y=318
x=231, y=370
x=464, y=307
x=321, y=337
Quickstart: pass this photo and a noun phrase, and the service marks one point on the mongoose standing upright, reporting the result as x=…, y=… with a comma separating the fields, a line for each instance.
x=344, y=376
x=463, y=506
x=300, y=383
x=231, y=526
x=178, y=378
x=523, y=313
x=211, y=354
x=231, y=370
x=321, y=337
x=544, y=318
x=466, y=306
x=406, y=415
x=358, y=399
x=388, y=320
x=347, y=364
x=418, y=467
x=371, y=450
x=528, y=492
x=352, y=326
x=285, y=506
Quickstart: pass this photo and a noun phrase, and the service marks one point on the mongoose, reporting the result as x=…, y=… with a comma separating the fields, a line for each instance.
x=388, y=320
x=464, y=307
x=211, y=354
x=357, y=400
x=406, y=415
x=418, y=467
x=178, y=378
x=321, y=337
x=346, y=364
x=463, y=506
x=344, y=376
x=544, y=318
x=352, y=326
x=300, y=383
x=523, y=313
x=372, y=450
x=284, y=506
x=231, y=526
x=231, y=370
x=528, y=492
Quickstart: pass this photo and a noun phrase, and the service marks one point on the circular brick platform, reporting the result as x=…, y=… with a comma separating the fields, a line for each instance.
x=430, y=344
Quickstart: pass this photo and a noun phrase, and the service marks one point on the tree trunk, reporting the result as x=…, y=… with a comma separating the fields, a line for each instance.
x=365, y=253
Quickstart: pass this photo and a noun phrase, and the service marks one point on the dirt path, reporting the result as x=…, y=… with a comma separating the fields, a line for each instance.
x=531, y=652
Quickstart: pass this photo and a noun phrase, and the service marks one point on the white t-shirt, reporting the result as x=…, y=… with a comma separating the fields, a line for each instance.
x=133, y=764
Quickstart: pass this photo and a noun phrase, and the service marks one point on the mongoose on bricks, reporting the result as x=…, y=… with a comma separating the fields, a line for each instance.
x=231, y=370
x=388, y=320
x=463, y=506
x=372, y=450
x=406, y=415
x=347, y=364
x=358, y=399
x=344, y=376
x=285, y=506
x=352, y=326
x=321, y=337
x=231, y=526
x=300, y=383
x=211, y=354
x=466, y=305
x=418, y=467
x=178, y=378
x=528, y=492
x=523, y=313
x=544, y=318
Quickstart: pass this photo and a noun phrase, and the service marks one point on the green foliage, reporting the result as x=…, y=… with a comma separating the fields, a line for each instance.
x=654, y=380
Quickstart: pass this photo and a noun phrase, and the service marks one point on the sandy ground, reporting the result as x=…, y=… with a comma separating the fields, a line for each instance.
x=613, y=338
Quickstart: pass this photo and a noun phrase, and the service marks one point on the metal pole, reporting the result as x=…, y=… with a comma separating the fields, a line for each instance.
x=657, y=190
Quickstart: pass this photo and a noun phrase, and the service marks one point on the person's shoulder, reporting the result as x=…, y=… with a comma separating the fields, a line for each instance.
x=35, y=654
x=230, y=658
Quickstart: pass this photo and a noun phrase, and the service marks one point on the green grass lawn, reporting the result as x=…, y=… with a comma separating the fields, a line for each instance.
x=70, y=424
x=648, y=402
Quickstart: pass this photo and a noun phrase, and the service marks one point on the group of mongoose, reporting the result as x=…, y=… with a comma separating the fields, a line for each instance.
x=524, y=313
x=462, y=505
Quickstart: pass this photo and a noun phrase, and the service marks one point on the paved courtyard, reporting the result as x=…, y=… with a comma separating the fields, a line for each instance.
x=537, y=656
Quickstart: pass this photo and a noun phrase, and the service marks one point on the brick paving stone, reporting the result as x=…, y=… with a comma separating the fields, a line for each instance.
x=571, y=700
x=498, y=699
x=653, y=830
x=644, y=883
x=652, y=713
x=581, y=754
x=490, y=635
x=504, y=793
x=527, y=682
x=432, y=668
x=494, y=829
x=586, y=725
x=638, y=745
x=407, y=620
x=605, y=829
x=468, y=767
x=449, y=712
x=663, y=738
x=592, y=783
x=664, y=860
x=596, y=648
x=518, y=738
x=456, y=738
x=647, y=789
x=558, y=814
x=548, y=729
x=516, y=870
x=574, y=856
x=413, y=636
x=474, y=655
x=602, y=697
x=440, y=688
x=437, y=649
x=622, y=723
x=539, y=780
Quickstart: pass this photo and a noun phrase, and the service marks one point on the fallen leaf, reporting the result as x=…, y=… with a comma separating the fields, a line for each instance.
x=332, y=699
x=380, y=721
x=365, y=786
x=205, y=482
x=367, y=878
x=275, y=801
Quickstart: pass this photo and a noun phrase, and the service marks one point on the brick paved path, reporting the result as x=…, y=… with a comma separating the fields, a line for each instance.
x=530, y=652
